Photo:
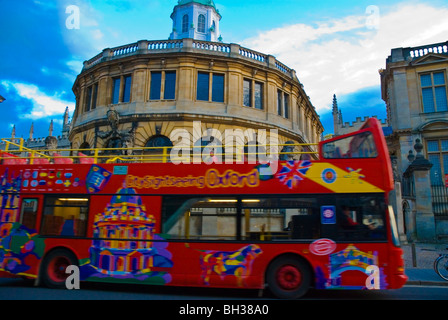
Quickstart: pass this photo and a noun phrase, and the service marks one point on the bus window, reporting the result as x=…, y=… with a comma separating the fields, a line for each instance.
x=65, y=216
x=28, y=212
x=361, y=145
x=200, y=218
x=279, y=219
x=361, y=218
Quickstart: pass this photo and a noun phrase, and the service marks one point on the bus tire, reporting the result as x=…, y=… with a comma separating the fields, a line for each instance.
x=288, y=277
x=54, y=266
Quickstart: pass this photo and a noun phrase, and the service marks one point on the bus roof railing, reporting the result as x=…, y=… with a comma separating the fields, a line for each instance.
x=17, y=153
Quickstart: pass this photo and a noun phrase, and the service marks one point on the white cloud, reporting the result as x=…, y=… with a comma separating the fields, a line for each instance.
x=97, y=34
x=75, y=66
x=343, y=55
x=88, y=37
x=43, y=105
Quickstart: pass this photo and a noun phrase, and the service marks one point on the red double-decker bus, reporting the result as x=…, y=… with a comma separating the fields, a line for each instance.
x=313, y=223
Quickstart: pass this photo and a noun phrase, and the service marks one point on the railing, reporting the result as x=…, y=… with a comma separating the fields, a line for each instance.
x=280, y=66
x=440, y=200
x=441, y=48
x=187, y=45
x=124, y=50
x=211, y=46
x=20, y=149
x=208, y=154
x=252, y=54
x=417, y=52
x=164, y=45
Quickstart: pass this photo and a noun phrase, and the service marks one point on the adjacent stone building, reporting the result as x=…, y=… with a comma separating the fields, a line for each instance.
x=414, y=87
x=341, y=127
x=52, y=141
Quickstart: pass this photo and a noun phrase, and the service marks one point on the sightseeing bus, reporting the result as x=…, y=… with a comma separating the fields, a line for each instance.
x=322, y=223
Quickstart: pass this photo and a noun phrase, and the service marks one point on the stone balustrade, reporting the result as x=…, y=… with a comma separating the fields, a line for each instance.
x=163, y=45
x=417, y=52
x=211, y=46
x=252, y=54
x=411, y=53
x=125, y=50
x=189, y=45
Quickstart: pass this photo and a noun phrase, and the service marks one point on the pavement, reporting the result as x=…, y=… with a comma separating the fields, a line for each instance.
x=419, y=260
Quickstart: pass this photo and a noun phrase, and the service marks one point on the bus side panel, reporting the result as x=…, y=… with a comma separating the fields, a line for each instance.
x=352, y=266
x=372, y=266
x=21, y=250
x=240, y=265
x=231, y=265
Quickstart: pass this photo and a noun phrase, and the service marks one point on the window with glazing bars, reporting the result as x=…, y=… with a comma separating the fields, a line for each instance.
x=434, y=93
x=185, y=22
x=121, y=93
x=253, y=94
x=438, y=156
x=283, y=104
x=168, y=90
x=206, y=81
x=201, y=23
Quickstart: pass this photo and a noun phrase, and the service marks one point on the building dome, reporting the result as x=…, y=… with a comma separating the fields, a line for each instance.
x=126, y=195
x=125, y=205
x=155, y=87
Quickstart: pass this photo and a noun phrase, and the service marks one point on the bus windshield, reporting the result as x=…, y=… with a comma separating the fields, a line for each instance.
x=361, y=145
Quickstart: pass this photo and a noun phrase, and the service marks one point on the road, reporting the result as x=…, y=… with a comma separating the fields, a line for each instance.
x=19, y=289
x=195, y=303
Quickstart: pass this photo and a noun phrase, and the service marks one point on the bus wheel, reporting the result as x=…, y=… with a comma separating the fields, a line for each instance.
x=288, y=278
x=54, y=267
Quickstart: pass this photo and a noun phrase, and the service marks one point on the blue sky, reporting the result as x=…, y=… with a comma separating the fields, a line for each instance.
x=336, y=47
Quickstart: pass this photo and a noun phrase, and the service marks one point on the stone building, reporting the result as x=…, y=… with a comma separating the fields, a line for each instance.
x=139, y=94
x=52, y=141
x=414, y=87
x=341, y=127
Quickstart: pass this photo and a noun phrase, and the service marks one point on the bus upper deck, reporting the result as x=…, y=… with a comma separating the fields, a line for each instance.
x=357, y=162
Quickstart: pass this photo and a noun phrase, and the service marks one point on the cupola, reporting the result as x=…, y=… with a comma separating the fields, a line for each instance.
x=196, y=19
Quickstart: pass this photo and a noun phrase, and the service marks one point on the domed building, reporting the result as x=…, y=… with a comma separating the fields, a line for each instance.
x=124, y=218
x=138, y=94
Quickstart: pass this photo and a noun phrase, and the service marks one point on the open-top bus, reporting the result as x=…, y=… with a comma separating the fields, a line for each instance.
x=322, y=223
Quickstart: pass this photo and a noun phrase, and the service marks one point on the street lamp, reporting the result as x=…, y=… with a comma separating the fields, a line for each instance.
x=2, y=99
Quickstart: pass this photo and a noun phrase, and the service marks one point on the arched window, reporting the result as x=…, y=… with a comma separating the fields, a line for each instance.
x=160, y=147
x=84, y=148
x=185, y=23
x=158, y=141
x=201, y=23
x=285, y=153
